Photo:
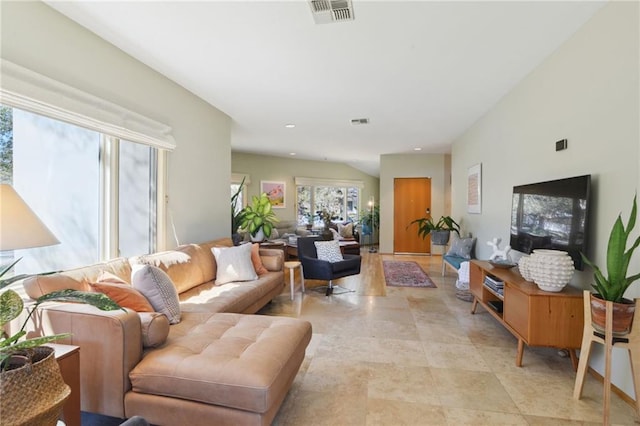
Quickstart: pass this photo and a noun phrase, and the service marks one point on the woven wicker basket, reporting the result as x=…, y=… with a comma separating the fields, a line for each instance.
x=34, y=393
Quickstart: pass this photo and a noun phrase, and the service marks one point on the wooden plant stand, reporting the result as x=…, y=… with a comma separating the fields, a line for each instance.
x=631, y=342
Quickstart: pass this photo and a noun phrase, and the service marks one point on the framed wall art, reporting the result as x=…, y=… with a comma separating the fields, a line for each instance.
x=474, y=189
x=276, y=191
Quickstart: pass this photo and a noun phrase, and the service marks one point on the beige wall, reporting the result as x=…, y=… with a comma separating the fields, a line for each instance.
x=394, y=166
x=263, y=167
x=587, y=92
x=39, y=38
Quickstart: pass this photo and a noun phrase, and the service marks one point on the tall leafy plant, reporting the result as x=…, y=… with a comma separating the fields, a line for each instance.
x=371, y=218
x=259, y=215
x=237, y=214
x=615, y=284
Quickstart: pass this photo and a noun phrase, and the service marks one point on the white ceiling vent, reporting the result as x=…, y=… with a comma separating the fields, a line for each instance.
x=326, y=11
x=357, y=121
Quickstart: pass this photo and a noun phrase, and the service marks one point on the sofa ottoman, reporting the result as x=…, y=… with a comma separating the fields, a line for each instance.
x=222, y=368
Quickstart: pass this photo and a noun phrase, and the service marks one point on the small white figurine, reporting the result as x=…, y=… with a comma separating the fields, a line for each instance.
x=497, y=253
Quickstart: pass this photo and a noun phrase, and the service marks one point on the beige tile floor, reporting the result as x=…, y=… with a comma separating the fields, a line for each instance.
x=416, y=356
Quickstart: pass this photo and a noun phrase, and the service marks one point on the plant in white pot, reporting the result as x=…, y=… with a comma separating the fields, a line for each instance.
x=440, y=230
x=31, y=386
x=259, y=218
x=613, y=286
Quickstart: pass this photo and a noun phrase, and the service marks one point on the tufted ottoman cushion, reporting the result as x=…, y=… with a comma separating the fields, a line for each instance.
x=231, y=360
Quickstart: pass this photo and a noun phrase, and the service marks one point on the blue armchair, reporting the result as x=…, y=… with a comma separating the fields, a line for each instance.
x=316, y=269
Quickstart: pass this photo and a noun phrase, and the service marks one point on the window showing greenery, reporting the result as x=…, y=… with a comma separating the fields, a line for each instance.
x=341, y=202
x=74, y=178
x=6, y=144
x=240, y=203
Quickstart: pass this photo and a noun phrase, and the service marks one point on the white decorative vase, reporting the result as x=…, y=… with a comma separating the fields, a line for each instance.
x=551, y=270
x=259, y=237
x=523, y=267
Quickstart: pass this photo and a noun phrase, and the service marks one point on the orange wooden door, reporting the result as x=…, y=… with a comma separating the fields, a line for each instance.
x=411, y=201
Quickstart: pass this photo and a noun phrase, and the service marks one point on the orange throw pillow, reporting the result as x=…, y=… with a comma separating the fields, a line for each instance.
x=124, y=295
x=255, y=259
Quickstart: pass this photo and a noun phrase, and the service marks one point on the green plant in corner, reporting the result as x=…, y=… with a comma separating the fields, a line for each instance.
x=615, y=284
x=259, y=215
x=11, y=306
x=371, y=218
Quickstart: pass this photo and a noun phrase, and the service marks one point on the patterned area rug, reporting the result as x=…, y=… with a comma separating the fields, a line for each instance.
x=398, y=273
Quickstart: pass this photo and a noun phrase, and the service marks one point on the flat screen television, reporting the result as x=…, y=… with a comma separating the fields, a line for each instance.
x=552, y=215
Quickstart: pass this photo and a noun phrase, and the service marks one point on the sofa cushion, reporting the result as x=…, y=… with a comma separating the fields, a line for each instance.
x=232, y=360
x=39, y=285
x=234, y=264
x=454, y=261
x=155, y=329
x=235, y=297
x=77, y=279
x=188, y=265
x=157, y=287
x=272, y=259
x=124, y=295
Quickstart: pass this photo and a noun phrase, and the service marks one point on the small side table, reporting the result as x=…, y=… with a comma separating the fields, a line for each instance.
x=68, y=358
x=291, y=266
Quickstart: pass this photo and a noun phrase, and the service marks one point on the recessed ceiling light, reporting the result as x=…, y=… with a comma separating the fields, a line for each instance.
x=292, y=153
x=417, y=149
x=290, y=126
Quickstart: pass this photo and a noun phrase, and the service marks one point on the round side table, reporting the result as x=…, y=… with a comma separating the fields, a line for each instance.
x=291, y=266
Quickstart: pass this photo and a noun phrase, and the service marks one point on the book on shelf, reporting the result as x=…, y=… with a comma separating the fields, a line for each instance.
x=496, y=289
x=497, y=286
x=493, y=280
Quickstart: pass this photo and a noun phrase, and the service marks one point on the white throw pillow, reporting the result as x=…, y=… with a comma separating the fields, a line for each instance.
x=234, y=264
x=329, y=250
x=158, y=288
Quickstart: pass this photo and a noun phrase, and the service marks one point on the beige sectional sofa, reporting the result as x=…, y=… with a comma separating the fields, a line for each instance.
x=218, y=365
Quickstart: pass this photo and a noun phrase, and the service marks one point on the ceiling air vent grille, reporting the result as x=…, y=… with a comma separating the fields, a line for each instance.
x=326, y=11
x=357, y=121
x=318, y=6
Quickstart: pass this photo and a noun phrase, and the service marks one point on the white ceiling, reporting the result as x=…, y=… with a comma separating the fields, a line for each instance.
x=421, y=71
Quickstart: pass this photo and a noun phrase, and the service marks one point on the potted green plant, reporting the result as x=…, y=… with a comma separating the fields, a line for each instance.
x=259, y=218
x=440, y=230
x=237, y=214
x=615, y=284
x=28, y=370
x=370, y=219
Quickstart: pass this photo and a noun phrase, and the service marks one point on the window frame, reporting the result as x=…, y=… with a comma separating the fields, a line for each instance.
x=27, y=90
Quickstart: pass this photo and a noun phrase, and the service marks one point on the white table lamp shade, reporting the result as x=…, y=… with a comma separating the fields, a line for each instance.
x=20, y=228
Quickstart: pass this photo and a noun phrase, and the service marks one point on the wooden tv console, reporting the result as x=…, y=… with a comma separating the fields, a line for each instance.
x=535, y=317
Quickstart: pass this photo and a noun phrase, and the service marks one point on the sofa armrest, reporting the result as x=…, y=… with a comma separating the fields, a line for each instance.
x=110, y=346
x=272, y=259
